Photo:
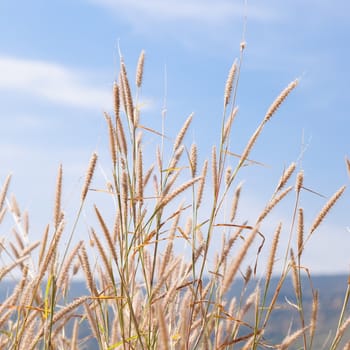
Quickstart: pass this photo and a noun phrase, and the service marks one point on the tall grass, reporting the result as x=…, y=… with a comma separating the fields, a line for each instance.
x=141, y=291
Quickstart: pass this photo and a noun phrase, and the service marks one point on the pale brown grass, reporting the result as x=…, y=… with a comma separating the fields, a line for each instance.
x=154, y=276
x=328, y=206
x=89, y=175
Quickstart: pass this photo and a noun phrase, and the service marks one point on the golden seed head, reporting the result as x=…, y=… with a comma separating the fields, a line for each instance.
x=116, y=99
x=139, y=70
x=201, y=184
x=273, y=250
x=229, y=83
x=89, y=175
x=228, y=175
x=281, y=97
x=193, y=159
x=228, y=124
x=299, y=181
x=181, y=134
x=234, y=205
x=300, y=236
x=328, y=206
x=286, y=176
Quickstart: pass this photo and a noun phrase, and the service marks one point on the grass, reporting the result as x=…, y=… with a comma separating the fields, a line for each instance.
x=141, y=291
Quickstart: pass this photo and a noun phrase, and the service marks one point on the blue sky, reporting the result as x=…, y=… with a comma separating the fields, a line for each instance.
x=58, y=60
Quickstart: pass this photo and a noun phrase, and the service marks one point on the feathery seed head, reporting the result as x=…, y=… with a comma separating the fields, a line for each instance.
x=328, y=206
x=89, y=175
x=286, y=176
x=139, y=70
x=229, y=83
x=182, y=132
x=299, y=181
x=193, y=159
x=281, y=97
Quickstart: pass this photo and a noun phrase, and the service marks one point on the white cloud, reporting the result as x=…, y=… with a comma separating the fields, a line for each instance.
x=16, y=123
x=169, y=10
x=51, y=81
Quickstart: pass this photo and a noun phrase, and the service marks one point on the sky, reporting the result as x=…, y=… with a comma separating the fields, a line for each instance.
x=59, y=58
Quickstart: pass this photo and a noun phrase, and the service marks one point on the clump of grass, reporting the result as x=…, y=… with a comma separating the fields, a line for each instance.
x=141, y=291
